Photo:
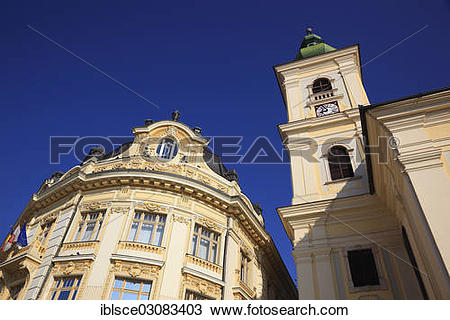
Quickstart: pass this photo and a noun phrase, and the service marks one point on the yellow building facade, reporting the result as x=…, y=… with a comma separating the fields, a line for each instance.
x=158, y=218
x=371, y=183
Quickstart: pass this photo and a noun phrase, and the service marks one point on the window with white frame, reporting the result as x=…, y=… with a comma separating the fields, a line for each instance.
x=245, y=264
x=147, y=228
x=205, y=244
x=65, y=288
x=89, y=227
x=130, y=289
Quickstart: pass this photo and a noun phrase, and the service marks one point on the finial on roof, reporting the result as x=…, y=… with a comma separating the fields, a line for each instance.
x=176, y=115
x=312, y=45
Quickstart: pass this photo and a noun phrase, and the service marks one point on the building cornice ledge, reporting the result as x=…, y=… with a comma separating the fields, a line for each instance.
x=149, y=261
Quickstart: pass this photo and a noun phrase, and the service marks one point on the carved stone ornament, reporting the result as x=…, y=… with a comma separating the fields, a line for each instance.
x=171, y=131
x=135, y=269
x=93, y=206
x=247, y=251
x=48, y=218
x=69, y=268
x=120, y=210
x=211, y=182
x=181, y=219
x=202, y=286
x=151, y=207
x=208, y=223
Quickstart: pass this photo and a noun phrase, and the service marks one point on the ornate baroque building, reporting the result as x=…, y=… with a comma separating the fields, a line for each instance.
x=371, y=183
x=158, y=218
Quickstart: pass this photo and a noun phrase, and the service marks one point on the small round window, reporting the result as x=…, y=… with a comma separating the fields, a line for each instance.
x=167, y=149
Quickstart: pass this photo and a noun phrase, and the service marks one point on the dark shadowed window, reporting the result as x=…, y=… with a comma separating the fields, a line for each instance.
x=339, y=162
x=363, y=268
x=320, y=85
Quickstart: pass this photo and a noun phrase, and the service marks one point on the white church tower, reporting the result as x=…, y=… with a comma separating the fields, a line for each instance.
x=344, y=242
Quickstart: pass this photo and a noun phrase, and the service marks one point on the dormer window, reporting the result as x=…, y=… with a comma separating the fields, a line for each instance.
x=321, y=85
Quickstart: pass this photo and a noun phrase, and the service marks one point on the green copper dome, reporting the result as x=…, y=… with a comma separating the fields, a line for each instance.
x=312, y=45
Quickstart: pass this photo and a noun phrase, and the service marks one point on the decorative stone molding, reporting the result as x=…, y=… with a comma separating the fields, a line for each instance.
x=184, y=201
x=80, y=245
x=247, y=251
x=210, y=224
x=125, y=190
x=136, y=246
x=49, y=218
x=151, y=207
x=170, y=131
x=44, y=218
x=181, y=219
x=238, y=296
x=135, y=269
x=211, y=182
x=203, y=263
x=93, y=206
x=70, y=267
x=66, y=268
x=242, y=235
x=249, y=291
x=120, y=210
x=190, y=172
x=202, y=286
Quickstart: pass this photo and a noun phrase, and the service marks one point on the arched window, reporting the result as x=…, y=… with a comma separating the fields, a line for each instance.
x=321, y=84
x=339, y=162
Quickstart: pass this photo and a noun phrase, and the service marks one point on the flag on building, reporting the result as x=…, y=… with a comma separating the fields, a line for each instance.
x=11, y=239
x=22, y=239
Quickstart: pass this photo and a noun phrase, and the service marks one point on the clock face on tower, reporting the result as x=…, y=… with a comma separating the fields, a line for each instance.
x=327, y=109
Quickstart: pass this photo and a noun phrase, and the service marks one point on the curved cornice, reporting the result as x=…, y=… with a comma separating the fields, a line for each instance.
x=234, y=203
x=184, y=128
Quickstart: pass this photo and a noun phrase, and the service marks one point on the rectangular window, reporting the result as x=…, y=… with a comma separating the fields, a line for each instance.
x=127, y=289
x=363, y=268
x=205, y=244
x=192, y=295
x=89, y=226
x=65, y=288
x=244, y=268
x=147, y=228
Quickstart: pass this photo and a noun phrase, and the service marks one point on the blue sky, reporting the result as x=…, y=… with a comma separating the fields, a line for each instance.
x=211, y=60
